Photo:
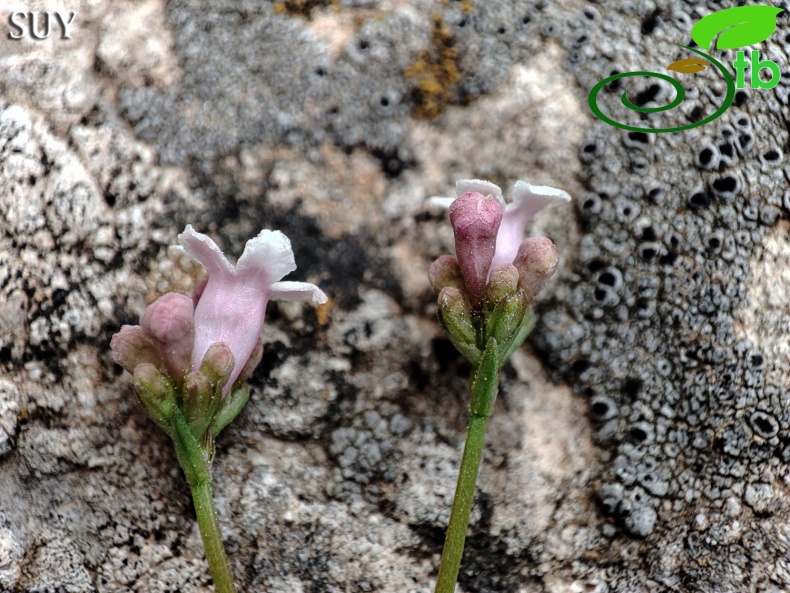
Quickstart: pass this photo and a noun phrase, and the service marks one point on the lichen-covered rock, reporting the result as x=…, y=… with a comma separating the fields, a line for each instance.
x=333, y=122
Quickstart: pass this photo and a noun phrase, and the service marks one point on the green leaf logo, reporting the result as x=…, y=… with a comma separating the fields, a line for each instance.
x=739, y=26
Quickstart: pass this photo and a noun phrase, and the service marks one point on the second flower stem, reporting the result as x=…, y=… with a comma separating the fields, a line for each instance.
x=484, y=385
x=462, y=505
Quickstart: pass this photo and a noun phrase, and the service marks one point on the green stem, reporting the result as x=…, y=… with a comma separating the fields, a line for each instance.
x=484, y=386
x=195, y=463
x=218, y=562
x=462, y=506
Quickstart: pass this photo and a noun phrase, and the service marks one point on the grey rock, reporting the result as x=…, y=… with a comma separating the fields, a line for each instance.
x=664, y=334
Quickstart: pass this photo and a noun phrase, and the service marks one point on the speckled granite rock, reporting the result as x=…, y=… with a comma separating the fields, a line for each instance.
x=642, y=449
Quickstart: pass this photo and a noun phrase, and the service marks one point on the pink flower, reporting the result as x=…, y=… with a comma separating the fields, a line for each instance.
x=232, y=305
x=490, y=233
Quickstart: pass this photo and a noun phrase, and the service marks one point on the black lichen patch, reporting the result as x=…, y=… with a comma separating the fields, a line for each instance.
x=687, y=413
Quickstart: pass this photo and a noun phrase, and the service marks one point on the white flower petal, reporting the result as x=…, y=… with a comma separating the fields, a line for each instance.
x=539, y=195
x=528, y=200
x=480, y=186
x=270, y=254
x=203, y=250
x=441, y=201
x=298, y=291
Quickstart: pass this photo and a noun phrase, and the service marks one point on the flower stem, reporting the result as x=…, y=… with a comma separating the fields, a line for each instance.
x=462, y=506
x=218, y=562
x=195, y=463
x=484, y=386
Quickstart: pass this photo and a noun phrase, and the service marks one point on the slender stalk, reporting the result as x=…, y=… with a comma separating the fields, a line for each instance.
x=195, y=463
x=218, y=562
x=462, y=505
x=484, y=385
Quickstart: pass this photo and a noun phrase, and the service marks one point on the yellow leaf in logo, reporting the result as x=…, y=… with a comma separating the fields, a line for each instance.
x=688, y=66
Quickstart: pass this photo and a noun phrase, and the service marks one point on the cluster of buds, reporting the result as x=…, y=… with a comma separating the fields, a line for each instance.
x=487, y=289
x=191, y=356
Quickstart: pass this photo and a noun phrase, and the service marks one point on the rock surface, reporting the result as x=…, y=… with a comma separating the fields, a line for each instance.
x=640, y=440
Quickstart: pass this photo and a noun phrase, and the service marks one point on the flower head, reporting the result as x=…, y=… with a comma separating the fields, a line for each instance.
x=212, y=339
x=486, y=290
x=232, y=304
x=478, y=212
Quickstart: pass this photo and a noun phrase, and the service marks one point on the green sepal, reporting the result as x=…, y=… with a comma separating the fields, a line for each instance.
x=457, y=319
x=201, y=398
x=510, y=323
x=503, y=283
x=518, y=337
x=232, y=405
x=157, y=394
x=485, y=381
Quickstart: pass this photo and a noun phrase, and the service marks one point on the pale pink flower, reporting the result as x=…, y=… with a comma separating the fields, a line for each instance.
x=232, y=305
x=489, y=233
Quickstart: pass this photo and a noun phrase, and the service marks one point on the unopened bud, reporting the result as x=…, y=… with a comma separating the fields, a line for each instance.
x=217, y=364
x=169, y=321
x=200, y=401
x=156, y=393
x=132, y=346
x=503, y=282
x=506, y=317
x=475, y=219
x=457, y=319
x=252, y=362
x=445, y=272
x=536, y=262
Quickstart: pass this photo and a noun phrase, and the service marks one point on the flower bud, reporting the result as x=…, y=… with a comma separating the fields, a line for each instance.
x=169, y=321
x=217, y=364
x=252, y=362
x=456, y=317
x=509, y=323
x=200, y=400
x=536, y=262
x=156, y=393
x=445, y=272
x=503, y=282
x=132, y=346
x=475, y=219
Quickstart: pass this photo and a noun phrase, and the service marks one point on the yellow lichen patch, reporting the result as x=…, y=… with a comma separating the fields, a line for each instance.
x=301, y=7
x=323, y=311
x=435, y=72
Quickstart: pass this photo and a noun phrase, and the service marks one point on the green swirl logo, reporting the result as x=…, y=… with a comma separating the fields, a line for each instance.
x=736, y=27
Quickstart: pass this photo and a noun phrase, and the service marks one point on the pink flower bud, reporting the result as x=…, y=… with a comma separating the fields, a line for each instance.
x=133, y=346
x=169, y=321
x=503, y=282
x=475, y=219
x=445, y=272
x=536, y=262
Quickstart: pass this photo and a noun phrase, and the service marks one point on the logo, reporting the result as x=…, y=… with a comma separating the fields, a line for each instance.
x=19, y=21
x=741, y=26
